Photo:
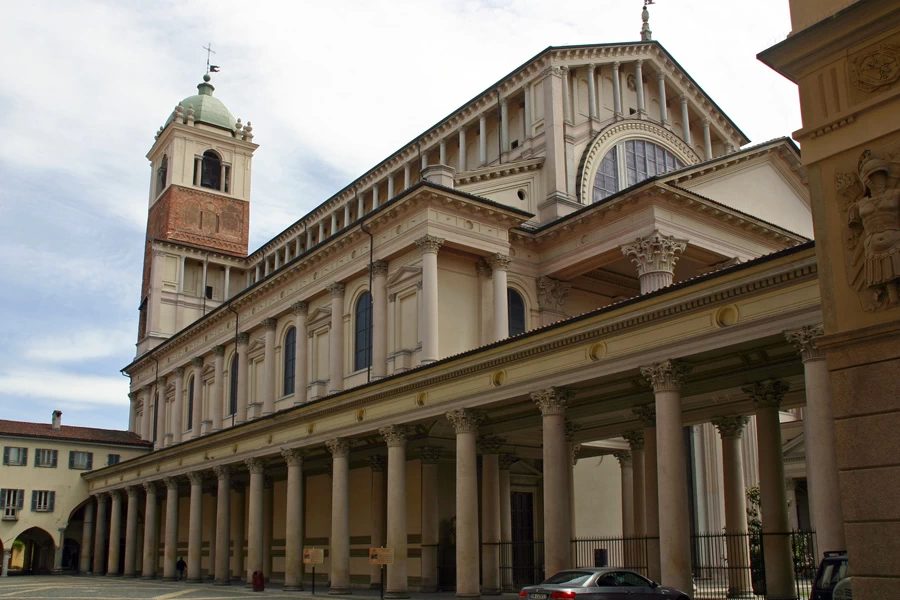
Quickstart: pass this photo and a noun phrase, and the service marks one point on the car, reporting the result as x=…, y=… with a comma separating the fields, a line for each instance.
x=833, y=568
x=593, y=583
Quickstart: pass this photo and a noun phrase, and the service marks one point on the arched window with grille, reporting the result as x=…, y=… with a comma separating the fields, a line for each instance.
x=190, y=404
x=290, y=360
x=211, y=175
x=232, y=396
x=362, y=356
x=516, y=310
x=629, y=163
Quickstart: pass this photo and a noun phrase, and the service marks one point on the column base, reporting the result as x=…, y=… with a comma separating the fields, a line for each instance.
x=220, y=582
x=468, y=595
x=169, y=579
x=113, y=575
x=339, y=591
x=193, y=580
x=396, y=594
x=145, y=577
x=293, y=588
x=129, y=576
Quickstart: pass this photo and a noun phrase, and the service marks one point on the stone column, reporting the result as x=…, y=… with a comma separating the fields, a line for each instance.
x=490, y=514
x=132, y=411
x=566, y=94
x=378, y=465
x=100, y=533
x=482, y=140
x=592, y=91
x=638, y=494
x=151, y=532
x=218, y=391
x=557, y=520
x=685, y=121
x=157, y=260
x=465, y=422
x=627, y=473
x=197, y=417
x=821, y=457
x=243, y=378
x=499, y=266
x=223, y=525
x=4, y=566
x=160, y=409
x=269, y=381
x=790, y=492
x=428, y=248
x=131, y=532
x=293, y=531
x=504, y=126
x=506, y=461
x=58, y=551
x=738, y=551
x=430, y=456
x=707, y=141
x=663, y=109
x=178, y=406
x=529, y=110
x=340, y=516
x=395, y=436
x=655, y=258
x=573, y=450
x=146, y=428
x=674, y=516
x=87, y=539
x=115, y=533
x=639, y=88
x=195, y=528
x=461, y=158
x=379, y=318
x=301, y=360
x=238, y=527
x=170, y=552
x=256, y=466
x=336, y=339
x=647, y=415
x=617, y=91
x=767, y=397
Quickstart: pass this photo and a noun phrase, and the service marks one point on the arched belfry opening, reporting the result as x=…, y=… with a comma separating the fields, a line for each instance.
x=211, y=171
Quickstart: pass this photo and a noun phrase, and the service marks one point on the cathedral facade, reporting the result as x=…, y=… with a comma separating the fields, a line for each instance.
x=580, y=261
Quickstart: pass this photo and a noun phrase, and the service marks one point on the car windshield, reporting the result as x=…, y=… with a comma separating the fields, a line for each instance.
x=831, y=573
x=571, y=578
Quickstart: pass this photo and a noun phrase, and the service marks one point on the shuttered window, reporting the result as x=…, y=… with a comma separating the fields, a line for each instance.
x=83, y=461
x=14, y=456
x=46, y=458
x=42, y=501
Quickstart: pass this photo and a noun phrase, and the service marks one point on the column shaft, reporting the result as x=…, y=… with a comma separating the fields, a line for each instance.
x=301, y=360
x=707, y=141
x=529, y=111
x=430, y=523
x=379, y=514
x=504, y=126
x=255, y=520
x=566, y=94
x=466, y=516
x=195, y=528
x=293, y=532
x=557, y=464
x=197, y=415
x=171, y=546
x=461, y=157
x=663, y=109
x=592, y=92
x=685, y=121
x=87, y=539
x=336, y=339
x=482, y=141
x=160, y=413
x=217, y=401
x=239, y=526
x=617, y=92
x=639, y=87
x=490, y=524
x=151, y=531
x=269, y=382
x=734, y=492
x=340, y=517
x=178, y=406
x=243, y=378
x=379, y=319
x=396, y=516
x=651, y=503
x=101, y=533
x=223, y=526
x=499, y=265
x=429, y=246
x=115, y=533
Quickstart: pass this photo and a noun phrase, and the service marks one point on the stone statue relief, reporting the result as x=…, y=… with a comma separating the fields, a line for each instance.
x=871, y=211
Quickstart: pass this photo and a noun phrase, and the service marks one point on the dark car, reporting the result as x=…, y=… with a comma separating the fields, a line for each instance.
x=832, y=569
x=592, y=583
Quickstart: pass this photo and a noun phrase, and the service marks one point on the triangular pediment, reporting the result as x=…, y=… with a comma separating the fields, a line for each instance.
x=208, y=369
x=256, y=344
x=404, y=273
x=323, y=312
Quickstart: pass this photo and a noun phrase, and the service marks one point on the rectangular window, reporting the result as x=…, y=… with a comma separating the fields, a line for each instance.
x=112, y=459
x=83, y=461
x=45, y=458
x=11, y=504
x=42, y=501
x=15, y=457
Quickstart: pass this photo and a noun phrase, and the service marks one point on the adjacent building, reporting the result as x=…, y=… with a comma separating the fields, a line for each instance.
x=46, y=512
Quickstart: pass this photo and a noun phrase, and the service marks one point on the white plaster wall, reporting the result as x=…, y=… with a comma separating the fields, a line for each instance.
x=598, y=497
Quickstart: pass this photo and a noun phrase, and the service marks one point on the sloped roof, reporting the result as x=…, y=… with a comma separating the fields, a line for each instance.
x=71, y=433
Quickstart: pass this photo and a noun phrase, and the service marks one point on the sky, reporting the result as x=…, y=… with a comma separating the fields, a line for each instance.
x=331, y=88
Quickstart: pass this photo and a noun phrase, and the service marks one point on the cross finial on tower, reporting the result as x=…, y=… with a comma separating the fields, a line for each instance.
x=210, y=68
x=646, y=34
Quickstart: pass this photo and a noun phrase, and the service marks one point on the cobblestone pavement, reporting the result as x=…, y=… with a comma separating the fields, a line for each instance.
x=53, y=587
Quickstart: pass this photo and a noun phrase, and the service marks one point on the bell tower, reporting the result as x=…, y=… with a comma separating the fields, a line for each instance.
x=199, y=193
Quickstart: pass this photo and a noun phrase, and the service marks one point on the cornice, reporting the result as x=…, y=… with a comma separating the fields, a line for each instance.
x=497, y=171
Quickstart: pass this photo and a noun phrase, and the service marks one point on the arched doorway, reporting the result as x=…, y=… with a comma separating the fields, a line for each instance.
x=32, y=552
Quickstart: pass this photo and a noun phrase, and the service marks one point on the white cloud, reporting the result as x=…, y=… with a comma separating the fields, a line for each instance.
x=80, y=346
x=69, y=389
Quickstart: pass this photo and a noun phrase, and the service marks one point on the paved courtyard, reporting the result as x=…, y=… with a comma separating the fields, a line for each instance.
x=113, y=588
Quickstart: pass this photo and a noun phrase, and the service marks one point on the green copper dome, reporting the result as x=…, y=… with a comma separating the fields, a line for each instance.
x=207, y=109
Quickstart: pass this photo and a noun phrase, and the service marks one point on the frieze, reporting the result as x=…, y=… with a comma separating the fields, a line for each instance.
x=875, y=68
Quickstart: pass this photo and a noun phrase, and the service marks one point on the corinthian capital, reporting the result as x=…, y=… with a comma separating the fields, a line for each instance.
x=293, y=456
x=430, y=454
x=730, y=427
x=379, y=268
x=300, y=308
x=552, y=401
x=767, y=394
x=394, y=435
x=429, y=243
x=499, y=262
x=624, y=458
x=464, y=420
x=336, y=289
x=666, y=375
x=654, y=253
x=256, y=466
x=647, y=416
x=804, y=339
x=490, y=444
x=635, y=439
x=339, y=447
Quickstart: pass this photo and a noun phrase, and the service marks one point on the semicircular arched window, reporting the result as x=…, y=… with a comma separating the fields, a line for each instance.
x=516, y=312
x=290, y=360
x=190, y=404
x=362, y=347
x=232, y=397
x=631, y=162
x=211, y=176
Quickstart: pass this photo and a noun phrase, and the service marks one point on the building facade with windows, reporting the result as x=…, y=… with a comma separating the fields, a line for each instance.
x=581, y=258
x=43, y=498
